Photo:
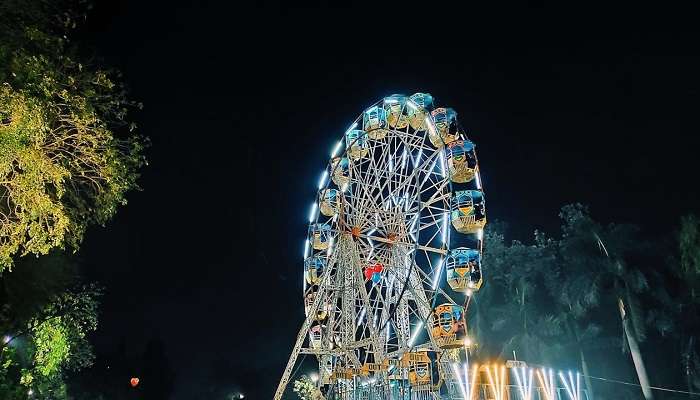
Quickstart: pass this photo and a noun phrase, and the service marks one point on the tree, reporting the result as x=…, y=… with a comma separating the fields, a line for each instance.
x=305, y=388
x=63, y=163
x=52, y=344
x=687, y=307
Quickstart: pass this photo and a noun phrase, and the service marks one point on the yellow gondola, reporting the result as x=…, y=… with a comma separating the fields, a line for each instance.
x=395, y=106
x=418, y=107
x=419, y=367
x=449, y=326
x=445, y=127
x=461, y=161
x=468, y=211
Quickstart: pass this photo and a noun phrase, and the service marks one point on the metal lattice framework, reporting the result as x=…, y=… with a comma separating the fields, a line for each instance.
x=375, y=257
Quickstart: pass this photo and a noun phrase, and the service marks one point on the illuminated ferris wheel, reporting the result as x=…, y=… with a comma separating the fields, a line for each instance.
x=400, y=210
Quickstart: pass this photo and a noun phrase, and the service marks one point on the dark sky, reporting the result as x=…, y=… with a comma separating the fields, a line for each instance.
x=243, y=104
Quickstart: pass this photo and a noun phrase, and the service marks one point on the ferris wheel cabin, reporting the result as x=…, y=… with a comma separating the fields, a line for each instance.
x=468, y=211
x=463, y=269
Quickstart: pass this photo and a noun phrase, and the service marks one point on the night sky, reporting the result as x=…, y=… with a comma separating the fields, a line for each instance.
x=243, y=104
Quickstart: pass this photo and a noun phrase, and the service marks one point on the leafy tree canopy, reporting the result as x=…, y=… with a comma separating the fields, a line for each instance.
x=63, y=166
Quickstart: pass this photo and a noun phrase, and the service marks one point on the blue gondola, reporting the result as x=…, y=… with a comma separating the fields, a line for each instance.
x=340, y=171
x=313, y=269
x=356, y=143
x=329, y=201
x=417, y=108
x=374, y=122
x=463, y=269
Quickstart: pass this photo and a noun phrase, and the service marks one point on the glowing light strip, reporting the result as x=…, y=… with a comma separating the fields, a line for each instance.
x=547, y=384
x=478, y=180
x=312, y=214
x=362, y=315
x=473, y=389
x=330, y=247
x=390, y=101
x=415, y=334
x=572, y=389
x=353, y=126
x=524, y=383
x=444, y=227
x=417, y=159
x=336, y=149
x=306, y=248
x=430, y=126
x=443, y=169
x=403, y=159
x=455, y=367
x=480, y=234
x=436, y=278
x=322, y=181
x=498, y=386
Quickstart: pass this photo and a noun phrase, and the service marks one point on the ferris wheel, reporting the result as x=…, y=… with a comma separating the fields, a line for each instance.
x=400, y=210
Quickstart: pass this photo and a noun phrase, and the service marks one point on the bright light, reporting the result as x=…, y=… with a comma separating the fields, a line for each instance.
x=337, y=148
x=330, y=247
x=547, y=383
x=322, y=181
x=455, y=367
x=30, y=392
x=415, y=334
x=312, y=214
x=467, y=342
x=314, y=377
x=430, y=126
x=480, y=234
x=6, y=339
x=524, y=382
x=362, y=316
x=573, y=389
x=353, y=126
x=445, y=223
x=438, y=272
x=478, y=180
x=469, y=292
x=306, y=248
x=411, y=104
x=390, y=101
x=497, y=383
x=472, y=389
x=403, y=159
x=344, y=188
x=443, y=169
x=417, y=160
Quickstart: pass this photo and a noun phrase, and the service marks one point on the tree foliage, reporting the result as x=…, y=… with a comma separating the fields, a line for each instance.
x=305, y=388
x=66, y=161
x=553, y=301
x=52, y=344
